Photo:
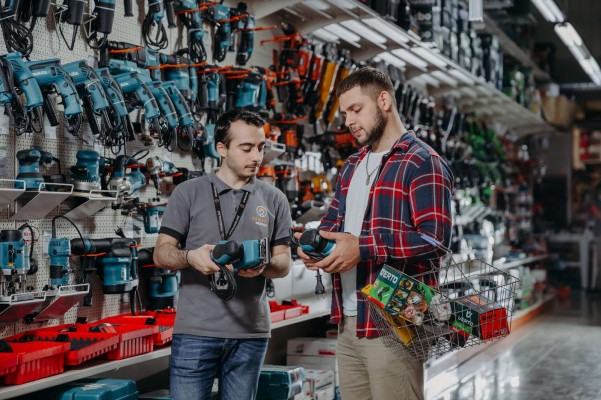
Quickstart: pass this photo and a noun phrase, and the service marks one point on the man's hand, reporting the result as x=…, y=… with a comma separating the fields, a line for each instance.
x=344, y=256
x=251, y=272
x=200, y=260
x=309, y=262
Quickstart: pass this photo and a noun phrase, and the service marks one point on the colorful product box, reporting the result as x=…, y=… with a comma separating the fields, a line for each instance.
x=399, y=294
x=480, y=317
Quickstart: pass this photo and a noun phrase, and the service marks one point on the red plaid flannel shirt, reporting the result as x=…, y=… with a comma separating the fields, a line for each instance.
x=411, y=197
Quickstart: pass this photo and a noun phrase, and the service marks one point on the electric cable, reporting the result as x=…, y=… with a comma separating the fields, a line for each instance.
x=159, y=40
x=17, y=36
x=225, y=286
x=33, y=264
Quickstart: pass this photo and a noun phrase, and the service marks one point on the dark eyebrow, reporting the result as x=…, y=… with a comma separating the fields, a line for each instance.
x=250, y=144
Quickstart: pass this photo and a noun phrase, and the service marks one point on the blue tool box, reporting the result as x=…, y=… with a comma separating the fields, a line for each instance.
x=278, y=382
x=93, y=389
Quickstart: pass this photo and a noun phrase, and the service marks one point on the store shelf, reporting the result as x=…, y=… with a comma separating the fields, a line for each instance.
x=302, y=318
x=523, y=261
x=450, y=278
x=473, y=93
x=73, y=374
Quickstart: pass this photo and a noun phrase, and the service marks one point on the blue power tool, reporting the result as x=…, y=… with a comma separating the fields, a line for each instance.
x=116, y=262
x=85, y=174
x=242, y=255
x=59, y=250
x=163, y=284
x=314, y=245
x=219, y=15
x=125, y=183
x=151, y=212
x=14, y=261
x=29, y=169
x=209, y=142
x=50, y=76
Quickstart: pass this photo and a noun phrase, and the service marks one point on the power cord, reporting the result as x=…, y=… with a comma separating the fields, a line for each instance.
x=33, y=264
x=224, y=286
x=17, y=36
x=319, y=287
x=159, y=40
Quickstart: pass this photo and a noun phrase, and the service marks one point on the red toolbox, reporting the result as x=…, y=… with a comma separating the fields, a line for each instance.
x=84, y=346
x=37, y=360
x=133, y=339
x=8, y=363
x=164, y=325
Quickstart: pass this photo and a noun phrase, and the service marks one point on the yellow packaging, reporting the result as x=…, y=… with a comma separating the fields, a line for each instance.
x=401, y=329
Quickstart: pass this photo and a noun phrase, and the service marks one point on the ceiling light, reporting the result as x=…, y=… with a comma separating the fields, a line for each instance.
x=318, y=5
x=390, y=59
x=568, y=34
x=461, y=76
x=549, y=10
x=444, y=78
x=406, y=56
x=344, y=4
x=591, y=67
x=342, y=33
x=386, y=30
x=325, y=35
x=429, y=55
x=362, y=30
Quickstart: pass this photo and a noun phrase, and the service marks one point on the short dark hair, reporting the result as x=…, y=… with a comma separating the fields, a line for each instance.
x=222, y=127
x=371, y=81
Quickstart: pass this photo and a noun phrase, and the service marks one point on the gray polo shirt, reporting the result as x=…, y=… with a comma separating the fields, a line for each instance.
x=191, y=219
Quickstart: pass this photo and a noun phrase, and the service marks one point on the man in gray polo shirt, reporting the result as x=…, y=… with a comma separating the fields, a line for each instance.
x=213, y=337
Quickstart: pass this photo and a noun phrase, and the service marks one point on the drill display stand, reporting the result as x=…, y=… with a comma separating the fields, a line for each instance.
x=93, y=202
x=58, y=301
x=10, y=190
x=42, y=201
x=15, y=307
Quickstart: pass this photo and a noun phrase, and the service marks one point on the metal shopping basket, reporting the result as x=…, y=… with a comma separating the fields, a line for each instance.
x=450, y=307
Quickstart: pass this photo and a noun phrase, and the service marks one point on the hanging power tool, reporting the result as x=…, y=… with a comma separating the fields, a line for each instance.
x=114, y=259
x=242, y=255
x=59, y=250
x=154, y=22
x=25, y=82
x=246, y=26
x=70, y=12
x=219, y=16
x=115, y=97
x=50, y=76
x=31, y=10
x=151, y=211
x=125, y=184
x=95, y=101
x=17, y=37
x=17, y=115
x=101, y=24
x=183, y=73
x=163, y=284
x=85, y=174
x=189, y=13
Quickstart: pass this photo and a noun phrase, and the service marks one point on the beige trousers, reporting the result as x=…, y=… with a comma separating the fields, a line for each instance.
x=370, y=371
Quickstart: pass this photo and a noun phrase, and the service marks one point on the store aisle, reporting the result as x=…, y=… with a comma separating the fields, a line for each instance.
x=555, y=356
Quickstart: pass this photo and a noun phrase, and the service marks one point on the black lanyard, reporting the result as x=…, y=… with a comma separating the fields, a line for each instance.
x=219, y=213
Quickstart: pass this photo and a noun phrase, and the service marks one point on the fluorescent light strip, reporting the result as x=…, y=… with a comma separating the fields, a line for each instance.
x=390, y=59
x=344, y=4
x=430, y=56
x=325, y=35
x=361, y=30
x=387, y=30
x=444, y=78
x=568, y=34
x=461, y=76
x=318, y=5
x=406, y=56
x=342, y=33
x=549, y=10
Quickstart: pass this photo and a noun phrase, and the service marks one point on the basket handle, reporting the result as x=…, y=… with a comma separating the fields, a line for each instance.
x=434, y=242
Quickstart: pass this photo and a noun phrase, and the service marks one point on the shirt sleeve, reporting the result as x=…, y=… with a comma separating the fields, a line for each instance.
x=329, y=222
x=283, y=221
x=430, y=198
x=176, y=218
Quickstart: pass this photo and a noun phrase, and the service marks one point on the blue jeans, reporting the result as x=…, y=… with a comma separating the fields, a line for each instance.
x=197, y=360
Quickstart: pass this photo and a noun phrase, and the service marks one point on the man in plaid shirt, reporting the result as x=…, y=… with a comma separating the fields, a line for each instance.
x=388, y=195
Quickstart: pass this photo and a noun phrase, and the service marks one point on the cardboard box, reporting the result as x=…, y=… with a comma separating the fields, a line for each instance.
x=316, y=362
x=319, y=384
x=398, y=293
x=311, y=346
x=480, y=317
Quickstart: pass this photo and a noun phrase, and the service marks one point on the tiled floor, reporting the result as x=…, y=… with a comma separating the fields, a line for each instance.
x=555, y=356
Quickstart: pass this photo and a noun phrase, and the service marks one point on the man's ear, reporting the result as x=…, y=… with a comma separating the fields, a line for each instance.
x=385, y=101
x=221, y=149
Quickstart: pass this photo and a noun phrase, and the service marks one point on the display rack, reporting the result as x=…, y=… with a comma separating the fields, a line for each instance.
x=94, y=201
x=9, y=192
x=42, y=201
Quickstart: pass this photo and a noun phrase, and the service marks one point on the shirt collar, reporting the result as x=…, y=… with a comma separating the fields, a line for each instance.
x=223, y=187
x=402, y=144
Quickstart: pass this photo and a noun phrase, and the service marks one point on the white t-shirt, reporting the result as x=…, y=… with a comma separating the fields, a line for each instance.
x=356, y=203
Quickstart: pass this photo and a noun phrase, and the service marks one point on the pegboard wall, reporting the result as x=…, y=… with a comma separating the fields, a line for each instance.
x=49, y=44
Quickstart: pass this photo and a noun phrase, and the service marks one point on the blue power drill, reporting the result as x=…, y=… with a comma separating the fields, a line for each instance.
x=51, y=76
x=85, y=174
x=163, y=284
x=59, y=250
x=242, y=255
x=14, y=260
x=115, y=97
x=139, y=94
x=314, y=245
x=151, y=212
x=209, y=142
x=219, y=15
x=191, y=17
x=125, y=184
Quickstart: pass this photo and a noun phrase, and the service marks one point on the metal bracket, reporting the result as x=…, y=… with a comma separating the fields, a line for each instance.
x=60, y=300
x=17, y=306
x=96, y=201
x=43, y=202
x=9, y=194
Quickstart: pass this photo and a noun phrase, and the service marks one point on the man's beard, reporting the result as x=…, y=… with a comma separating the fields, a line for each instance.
x=377, y=131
